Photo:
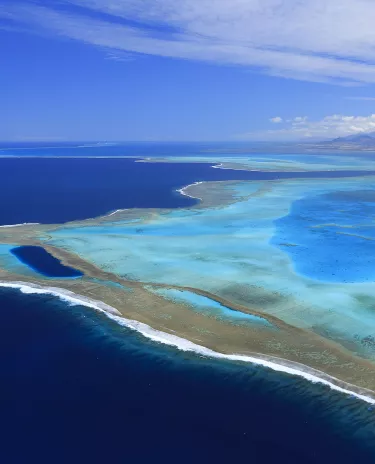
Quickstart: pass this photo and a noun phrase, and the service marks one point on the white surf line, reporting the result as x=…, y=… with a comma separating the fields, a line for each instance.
x=68, y=157
x=287, y=367
x=115, y=212
x=21, y=225
x=65, y=295
x=222, y=166
x=244, y=168
x=182, y=190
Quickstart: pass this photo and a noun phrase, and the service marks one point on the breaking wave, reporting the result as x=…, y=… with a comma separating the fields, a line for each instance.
x=280, y=365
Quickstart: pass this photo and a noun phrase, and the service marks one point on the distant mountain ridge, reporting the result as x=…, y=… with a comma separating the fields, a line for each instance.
x=368, y=137
x=362, y=141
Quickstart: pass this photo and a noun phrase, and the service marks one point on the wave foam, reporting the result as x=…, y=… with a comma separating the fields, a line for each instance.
x=182, y=190
x=182, y=344
x=21, y=225
x=65, y=295
x=239, y=168
x=116, y=211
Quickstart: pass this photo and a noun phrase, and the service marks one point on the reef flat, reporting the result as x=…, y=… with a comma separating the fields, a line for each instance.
x=278, y=162
x=242, y=249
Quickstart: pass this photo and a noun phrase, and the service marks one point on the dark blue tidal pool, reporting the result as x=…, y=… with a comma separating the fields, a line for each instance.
x=38, y=259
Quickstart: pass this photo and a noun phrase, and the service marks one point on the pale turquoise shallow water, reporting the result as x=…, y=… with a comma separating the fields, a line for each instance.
x=9, y=262
x=210, y=307
x=286, y=162
x=254, y=252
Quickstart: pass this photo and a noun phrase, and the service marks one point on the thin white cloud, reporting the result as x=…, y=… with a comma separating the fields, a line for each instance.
x=276, y=120
x=315, y=40
x=302, y=128
x=300, y=119
x=119, y=55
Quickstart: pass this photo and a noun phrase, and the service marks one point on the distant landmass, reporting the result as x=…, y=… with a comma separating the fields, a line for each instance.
x=364, y=142
x=357, y=138
x=355, y=142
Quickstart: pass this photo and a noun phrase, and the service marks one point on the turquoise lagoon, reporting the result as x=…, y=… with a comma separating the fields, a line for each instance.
x=340, y=228
x=283, y=162
x=300, y=250
x=210, y=307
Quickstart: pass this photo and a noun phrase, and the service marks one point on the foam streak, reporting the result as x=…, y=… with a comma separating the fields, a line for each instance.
x=182, y=191
x=21, y=225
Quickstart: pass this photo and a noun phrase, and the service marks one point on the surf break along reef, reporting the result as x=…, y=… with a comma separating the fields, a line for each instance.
x=279, y=273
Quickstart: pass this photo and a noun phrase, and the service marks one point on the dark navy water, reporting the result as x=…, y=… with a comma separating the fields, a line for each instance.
x=77, y=388
x=85, y=148
x=134, y=148
x=115, y=149
x=38, y=259
x=58, y=190
x=152, y=149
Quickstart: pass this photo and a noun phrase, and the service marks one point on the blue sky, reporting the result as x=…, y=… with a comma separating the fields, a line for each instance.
x=172, y=70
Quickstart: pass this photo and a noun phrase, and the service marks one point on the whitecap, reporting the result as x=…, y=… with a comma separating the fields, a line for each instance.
x=21, y=225
x=183, y=192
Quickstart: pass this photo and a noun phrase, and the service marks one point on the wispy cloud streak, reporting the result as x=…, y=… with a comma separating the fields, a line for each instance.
x=302, y=128
x=314, y=40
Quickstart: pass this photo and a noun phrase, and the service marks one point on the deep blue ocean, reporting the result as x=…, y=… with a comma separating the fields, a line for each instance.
x=58, y=190
x=77, y=388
